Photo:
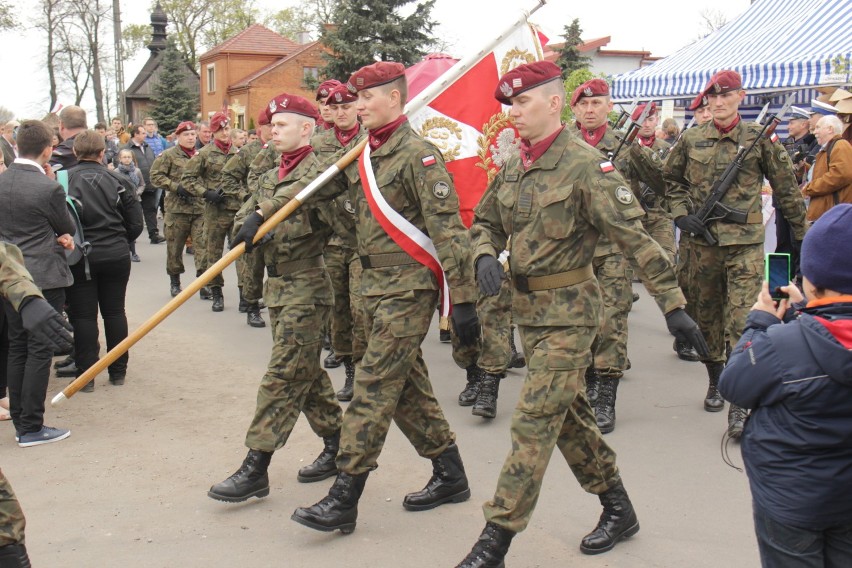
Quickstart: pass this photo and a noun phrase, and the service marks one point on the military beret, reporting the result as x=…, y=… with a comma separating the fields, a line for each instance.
x=184, y=126
x=219, y=121
x=525, y=77
x=341, y=95
x=293, y=104
x=799, y=113
x=698, y=102
x=379, y=73
x=640, y=108
x=325, y=88
x=723, y=81
x=591, y=88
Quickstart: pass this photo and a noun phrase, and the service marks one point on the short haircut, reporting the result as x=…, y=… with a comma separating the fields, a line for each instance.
x=116, y=118
x=33, y=137
x=252, y=132
x=556, y=87
x=88, y=145
x=100, y=126
x=73, y=117
x=401, y=85
x=235, y=133
x=137, y=128
x=147, y=118
x=830, y=120
x=670, y=127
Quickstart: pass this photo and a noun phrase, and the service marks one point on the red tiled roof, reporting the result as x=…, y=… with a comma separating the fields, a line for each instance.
x=255, y=39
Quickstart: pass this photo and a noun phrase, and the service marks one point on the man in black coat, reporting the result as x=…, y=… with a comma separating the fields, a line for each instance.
x=72, y=121
x=144, y=158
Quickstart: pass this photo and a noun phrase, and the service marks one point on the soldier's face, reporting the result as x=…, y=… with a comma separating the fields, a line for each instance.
x=344, y=115
x=591, y=112
x=288, y=131
x=724, y=106
x=703, y=115
x=649, y=126
x=325, y=112
x=376, y=107
x=532, y=113
x=187, y=138
x=222, y=134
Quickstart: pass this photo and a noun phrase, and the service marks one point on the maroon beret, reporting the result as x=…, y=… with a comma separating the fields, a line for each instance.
x=291, y=103
x=525, y=77
x=591, y=88
x=379, y=73
x=640, y=108
x=262, y=117
x=326, y=87
x=341, y=95
x=698, y=102
x=723, y=81
x=218, y=121
x=184, y=126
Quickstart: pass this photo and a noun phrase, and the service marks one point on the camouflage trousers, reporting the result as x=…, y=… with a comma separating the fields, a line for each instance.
x=722, y=284
x=12, y=520
x=294, y=381
x=491, y=353
x=609, y=349
x=218, y=224
x=552, y=411
x=251, y=275
x=179, y=226
x=392, y=382
x=348, y=335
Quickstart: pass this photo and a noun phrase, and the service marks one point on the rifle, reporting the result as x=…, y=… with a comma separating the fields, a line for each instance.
x=713, y=209
x=631, y=133
x=625, y=114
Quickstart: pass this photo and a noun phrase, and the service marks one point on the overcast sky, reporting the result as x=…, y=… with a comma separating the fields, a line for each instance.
x=661, y=27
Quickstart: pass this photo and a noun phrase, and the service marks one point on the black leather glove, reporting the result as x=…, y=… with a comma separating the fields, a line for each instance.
x=248, y=231
x=690, y=224
x=183, y=194
x=42, y=321
x=465, y=323
x=489, y=274
x=686, y=331
x=214, y=196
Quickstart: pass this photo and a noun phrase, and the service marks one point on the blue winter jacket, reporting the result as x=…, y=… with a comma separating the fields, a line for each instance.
x=797, y=443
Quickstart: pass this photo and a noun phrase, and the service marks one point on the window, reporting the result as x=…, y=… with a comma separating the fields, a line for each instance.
x=311, y=74
x=241, y=121
x=211, y=78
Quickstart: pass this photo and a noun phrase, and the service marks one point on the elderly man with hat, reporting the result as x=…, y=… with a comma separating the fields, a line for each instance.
x=641, y=168
x=414, y=251
x=184, y=211
x=554, y=199
x=724, y=278
x=298, y=294
x=203, y=178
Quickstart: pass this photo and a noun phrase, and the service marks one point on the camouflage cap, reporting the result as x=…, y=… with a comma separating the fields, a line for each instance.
x=326, y=87
x=525, y=77
x=379, y=73
x=591, y=88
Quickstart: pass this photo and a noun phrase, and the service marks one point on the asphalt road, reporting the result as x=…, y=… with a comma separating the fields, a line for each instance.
x=128, y=488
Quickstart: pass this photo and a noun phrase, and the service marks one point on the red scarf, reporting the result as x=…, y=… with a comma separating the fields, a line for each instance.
x=190, y=152
x=381, y=134
x=593, y=137
x=345, y=137
x=529, y=154
x=224, y=146
x=649, y=141
x=728, y=128
x=290, y=160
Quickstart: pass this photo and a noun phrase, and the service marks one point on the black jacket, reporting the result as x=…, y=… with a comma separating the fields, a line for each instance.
x=111, y=216
x=144, y=158
x=63, y=155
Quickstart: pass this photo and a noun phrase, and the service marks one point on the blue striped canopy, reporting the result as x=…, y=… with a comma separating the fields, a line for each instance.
x=775, y=45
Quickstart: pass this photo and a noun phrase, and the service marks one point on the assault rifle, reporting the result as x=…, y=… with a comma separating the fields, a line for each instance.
x=625, y=114
x=713, y=209
x=631, y=133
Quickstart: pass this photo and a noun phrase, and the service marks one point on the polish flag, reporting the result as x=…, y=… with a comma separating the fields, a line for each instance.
x=469, y=126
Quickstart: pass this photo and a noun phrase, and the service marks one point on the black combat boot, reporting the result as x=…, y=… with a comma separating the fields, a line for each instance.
x=448, y=483
x=253, y=317
x=332, y=361
x=617, y=521
x=685, y=351
x=251, y=480
x=204, y=293
x=345, y=394
x=592, y=384
x=339, y=509
x=713, y=401
x=174, y=284
x=736, y=421
x=486, y=401
x=517, y=360
x=14, y=556
x=471, y=390
x=605, y=407
x=490, y=549
x=218, y=299
x=324, y=466
x=243, y=306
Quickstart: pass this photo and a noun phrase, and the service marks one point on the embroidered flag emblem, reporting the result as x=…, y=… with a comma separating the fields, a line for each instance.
x=607, y=167
x=517, y=83
x=428, y=160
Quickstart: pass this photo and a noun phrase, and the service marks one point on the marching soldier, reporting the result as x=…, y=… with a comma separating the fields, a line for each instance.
x=299, y=297
x=184, y=211
x=722, y=280
x=555, y=200
x=202, y=177
x=326, y=121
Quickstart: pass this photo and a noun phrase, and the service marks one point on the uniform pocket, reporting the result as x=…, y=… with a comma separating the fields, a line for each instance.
x=553, y=381
x=555, y=215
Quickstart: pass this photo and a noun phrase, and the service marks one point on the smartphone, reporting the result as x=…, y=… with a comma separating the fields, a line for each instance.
x=777, y=273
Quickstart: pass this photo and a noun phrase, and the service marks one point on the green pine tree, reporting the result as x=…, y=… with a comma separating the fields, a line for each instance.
x=174, y=101
x=570, y=58
x=371, y=30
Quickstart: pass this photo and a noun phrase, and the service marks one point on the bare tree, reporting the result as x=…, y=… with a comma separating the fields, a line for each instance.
x=711, y=20
x=49, y=20
x=90, y=15
x=5, y=115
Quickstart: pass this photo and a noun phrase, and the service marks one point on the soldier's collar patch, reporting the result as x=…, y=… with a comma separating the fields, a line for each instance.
x=623, y=195
x=607, y=167
x=428, y=160
x=441, y=190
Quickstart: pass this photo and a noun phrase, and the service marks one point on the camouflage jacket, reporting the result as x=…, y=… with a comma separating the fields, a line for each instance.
x=699, y=159
x=555, y=213
x=422, y=192
x=15, y=282
x=204, y=171
x=167, y=172
x=236, y=170
x=267, y=158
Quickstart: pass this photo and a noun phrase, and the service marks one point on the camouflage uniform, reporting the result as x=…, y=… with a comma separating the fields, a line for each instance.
x=658, y=221
x=491, y=353
x=12, y=522
x=722, y=281
x=203, y=172
x=182, y=219
x=298, y=294
x=556, y=212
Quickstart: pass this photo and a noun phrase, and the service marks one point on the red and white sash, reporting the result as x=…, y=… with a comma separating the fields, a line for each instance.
x=409, y=238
